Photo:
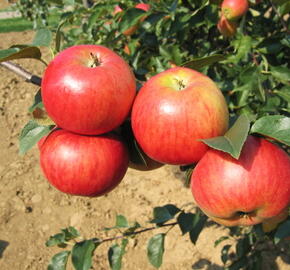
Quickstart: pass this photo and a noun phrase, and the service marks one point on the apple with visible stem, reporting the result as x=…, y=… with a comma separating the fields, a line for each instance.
x=81, y=164
x=234, y=9
x=227, y=28
x=88, y=89
x=131, y=30
x=248, y=191
x=173, y=111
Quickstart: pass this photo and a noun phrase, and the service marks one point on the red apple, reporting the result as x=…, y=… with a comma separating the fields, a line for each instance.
x=227, y=28
x=143, y=6
x=83, y=165
x=173, y=111
x=88, y=89
x=41, y=142
x=234, y=9
x=117, y=9
x=253, y=189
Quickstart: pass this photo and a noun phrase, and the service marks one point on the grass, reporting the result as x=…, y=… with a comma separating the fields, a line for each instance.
x=21, y=24
x=15, y=25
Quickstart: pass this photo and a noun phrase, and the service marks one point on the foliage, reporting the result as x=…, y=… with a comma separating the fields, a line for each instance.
x=251, y=69
x=245, y=250
x=166, y=216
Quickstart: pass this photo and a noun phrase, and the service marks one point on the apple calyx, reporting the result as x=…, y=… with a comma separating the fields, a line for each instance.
x=95, y=61
x=180, y=84
x=244, y=214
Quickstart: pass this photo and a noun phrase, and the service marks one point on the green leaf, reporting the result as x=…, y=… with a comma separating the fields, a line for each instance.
x=244, y=47
x=31, y=134
x=43, y=37
x=232, y=142
x=121, y=222
x=131, y=229
x=155, y=249
x=285, y=8
x=59, y=261
x=199, y=221
x=20, y=52
x=82, y=253
x=243, y=247
x=186, y=222
x=248, y=74
x=56, y=239
x=239, y=264
x=244, y=92
x=115, y=255
x=59, y=33
x=221, y=239
x=251, y=81
x=61, y=238
x=224, y=253
x=199, y=63
x=135, y=153
x=281, y=73
x=284, y=93
x=164, y=213
x=37, y=102
x=282, y=232
x=274, y=126
x=70, y=233
x=171, y=53
x=130, y=18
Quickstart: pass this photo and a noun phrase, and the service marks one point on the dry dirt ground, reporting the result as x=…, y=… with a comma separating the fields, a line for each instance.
x=31, y=210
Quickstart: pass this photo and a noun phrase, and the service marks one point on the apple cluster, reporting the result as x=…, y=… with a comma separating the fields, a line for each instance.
x=231, y=12
x=90, y=93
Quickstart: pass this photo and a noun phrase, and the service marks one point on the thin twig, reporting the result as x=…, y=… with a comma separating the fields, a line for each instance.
x=133, y=233
x=29, y=77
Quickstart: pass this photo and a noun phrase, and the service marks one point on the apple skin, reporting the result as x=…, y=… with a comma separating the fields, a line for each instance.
x=173, y=111
x=83, y=165
x=253, y=189
x=84, y=99
x=234, y=9
x=143, y=6
x=227, y=28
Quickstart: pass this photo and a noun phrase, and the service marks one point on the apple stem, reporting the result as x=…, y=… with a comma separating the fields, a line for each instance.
x=96, y=62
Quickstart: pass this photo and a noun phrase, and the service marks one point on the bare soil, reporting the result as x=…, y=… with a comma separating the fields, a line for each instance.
x=31, y=210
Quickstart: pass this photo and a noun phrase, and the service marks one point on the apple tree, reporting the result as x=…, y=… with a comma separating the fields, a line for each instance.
x=244, y=47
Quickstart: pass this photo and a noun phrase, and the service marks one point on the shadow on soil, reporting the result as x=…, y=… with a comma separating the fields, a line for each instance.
x=202, y=263
x=3, y=246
